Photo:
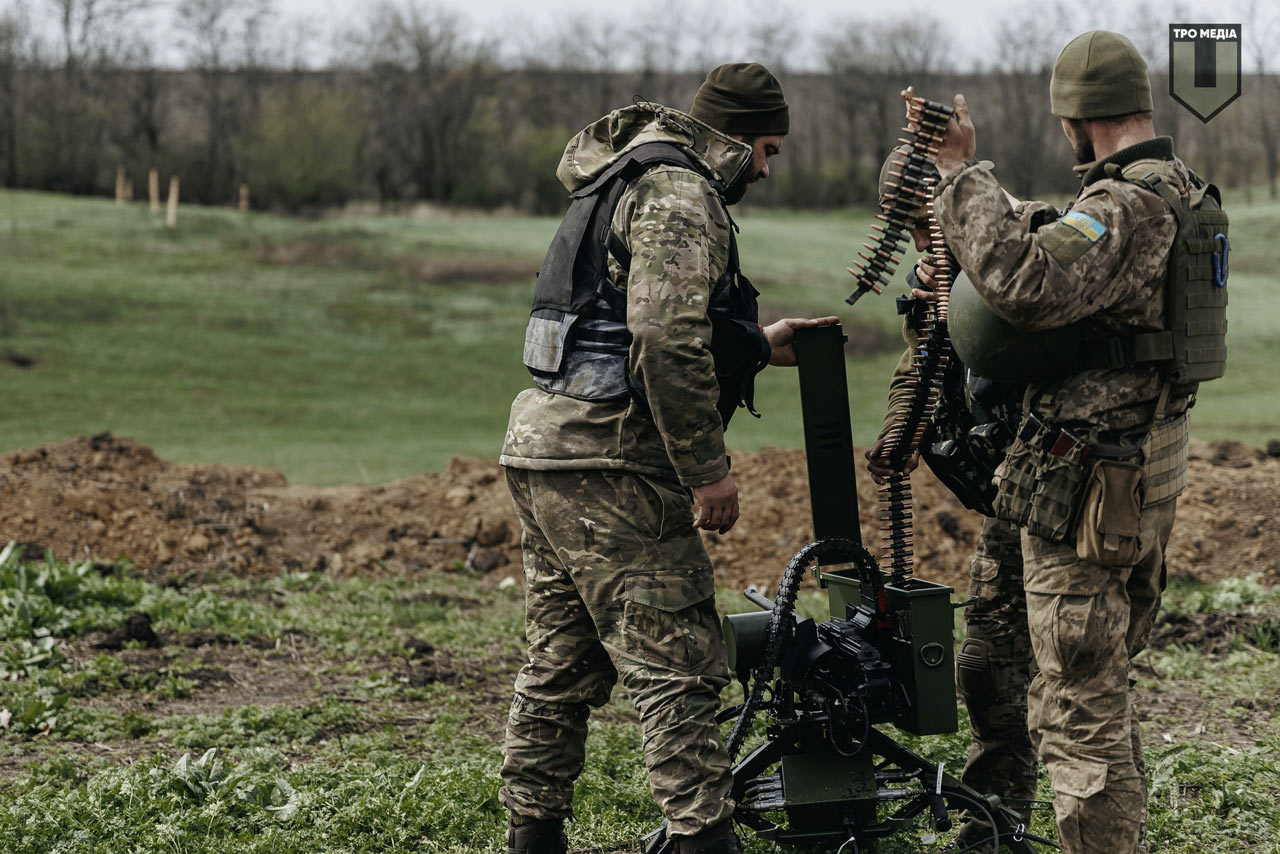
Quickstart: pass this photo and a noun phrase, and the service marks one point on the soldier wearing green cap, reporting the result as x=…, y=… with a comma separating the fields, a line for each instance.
x=1093, y=477
x=642, y=342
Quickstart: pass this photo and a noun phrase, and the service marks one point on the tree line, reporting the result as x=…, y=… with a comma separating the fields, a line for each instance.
x=414, y=107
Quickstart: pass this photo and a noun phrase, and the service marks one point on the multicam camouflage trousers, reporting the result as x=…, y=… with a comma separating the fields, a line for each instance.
x=617, y=583
x=993, y=669
x=1087, y=621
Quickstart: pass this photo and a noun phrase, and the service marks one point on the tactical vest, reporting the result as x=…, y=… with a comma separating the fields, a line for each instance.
x=1193, y=344
x=577, y=341
x=1190, y=349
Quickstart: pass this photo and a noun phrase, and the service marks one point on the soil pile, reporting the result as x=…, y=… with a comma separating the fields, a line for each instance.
x=107, y=496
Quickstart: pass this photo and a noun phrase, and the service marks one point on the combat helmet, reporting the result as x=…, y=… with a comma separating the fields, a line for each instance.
x=991, y=347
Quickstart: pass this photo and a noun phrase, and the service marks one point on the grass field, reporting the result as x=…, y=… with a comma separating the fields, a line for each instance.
x=305, y=713
x=367, y=348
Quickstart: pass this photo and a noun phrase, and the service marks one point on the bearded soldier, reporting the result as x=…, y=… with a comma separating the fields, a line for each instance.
x=1136, y=270
x=643, y=342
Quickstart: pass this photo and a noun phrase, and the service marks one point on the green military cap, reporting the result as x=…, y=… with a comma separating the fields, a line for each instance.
x=742, y=98
x=1097, y=75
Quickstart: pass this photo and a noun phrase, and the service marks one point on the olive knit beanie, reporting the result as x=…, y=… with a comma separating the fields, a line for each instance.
x=742, y=98
x=1098, y=75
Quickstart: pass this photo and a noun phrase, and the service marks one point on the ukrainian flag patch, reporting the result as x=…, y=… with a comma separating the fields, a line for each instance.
x=1085, y=224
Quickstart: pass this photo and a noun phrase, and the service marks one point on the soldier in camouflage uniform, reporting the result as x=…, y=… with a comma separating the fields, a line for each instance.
x=1102, y=264
x=618, y=583
x=994, y=665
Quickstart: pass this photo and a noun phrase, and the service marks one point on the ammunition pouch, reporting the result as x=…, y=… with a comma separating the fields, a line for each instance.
x=1059, y=486
x=1040, y=484
x=1111, y=516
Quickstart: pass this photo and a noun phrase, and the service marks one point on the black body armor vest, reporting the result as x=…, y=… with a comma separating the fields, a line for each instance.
x=577, y=342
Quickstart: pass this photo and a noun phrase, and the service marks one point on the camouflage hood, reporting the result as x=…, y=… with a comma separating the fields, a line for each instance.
x=592, y=151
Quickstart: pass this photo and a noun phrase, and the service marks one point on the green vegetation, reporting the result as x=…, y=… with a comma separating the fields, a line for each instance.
x=366, y=348
x=306, y=713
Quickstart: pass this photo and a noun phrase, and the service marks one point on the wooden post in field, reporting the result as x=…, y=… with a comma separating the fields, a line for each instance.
x=244, y=198
x=128, y=189
x=171, y=214
x=153, y=188
x=120, y=185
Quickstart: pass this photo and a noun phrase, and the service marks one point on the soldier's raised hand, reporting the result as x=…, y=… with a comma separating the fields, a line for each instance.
x=959, y=142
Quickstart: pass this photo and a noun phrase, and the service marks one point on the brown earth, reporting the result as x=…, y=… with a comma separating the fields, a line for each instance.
x=108, y=496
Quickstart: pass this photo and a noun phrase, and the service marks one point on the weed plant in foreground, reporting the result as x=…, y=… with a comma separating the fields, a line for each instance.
x=308, y=713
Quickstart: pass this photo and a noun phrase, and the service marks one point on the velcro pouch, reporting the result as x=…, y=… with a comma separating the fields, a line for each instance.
x=1110, y=519
x=1056, y=500
x=1016, y=477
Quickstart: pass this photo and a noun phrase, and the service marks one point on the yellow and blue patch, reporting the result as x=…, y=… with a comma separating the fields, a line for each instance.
x=1085, y=224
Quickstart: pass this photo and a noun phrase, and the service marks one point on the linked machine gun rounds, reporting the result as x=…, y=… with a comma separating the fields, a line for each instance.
x=912, y=185
x=821, y=775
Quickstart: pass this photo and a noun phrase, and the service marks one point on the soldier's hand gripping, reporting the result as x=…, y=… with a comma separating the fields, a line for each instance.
x=958, y=143
x=782, y=336
x=878, y=462
x=925, y=271
x=717, y=505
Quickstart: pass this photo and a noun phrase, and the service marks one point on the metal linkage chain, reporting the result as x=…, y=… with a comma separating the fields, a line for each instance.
x=912, y=187
x=782, y=623
x=911, y=190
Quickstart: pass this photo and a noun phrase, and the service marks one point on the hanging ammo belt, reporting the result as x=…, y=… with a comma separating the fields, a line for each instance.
x=912, y=188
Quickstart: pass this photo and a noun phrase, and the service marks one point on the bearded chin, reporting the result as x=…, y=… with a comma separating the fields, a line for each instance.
x=1084, y=152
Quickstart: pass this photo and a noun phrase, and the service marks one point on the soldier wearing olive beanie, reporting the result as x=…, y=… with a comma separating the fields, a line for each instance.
x=643, y=339
x=1109, y=265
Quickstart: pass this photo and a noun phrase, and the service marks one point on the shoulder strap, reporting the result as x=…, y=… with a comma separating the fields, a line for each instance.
x=638, y=161
x=1122, y=351
x=585, y=224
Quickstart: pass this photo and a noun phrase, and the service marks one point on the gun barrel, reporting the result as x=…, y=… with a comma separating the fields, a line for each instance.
x=758, y=598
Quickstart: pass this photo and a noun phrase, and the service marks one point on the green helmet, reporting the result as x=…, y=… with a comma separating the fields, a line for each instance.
x=992, y=348
x=896, y=159
x=1098, y=75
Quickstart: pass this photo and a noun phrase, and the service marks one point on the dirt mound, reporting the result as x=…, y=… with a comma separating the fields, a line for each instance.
x=108, y=496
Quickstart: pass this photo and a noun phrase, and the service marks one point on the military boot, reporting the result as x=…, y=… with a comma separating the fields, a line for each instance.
x=719, y=839
x=539, y=836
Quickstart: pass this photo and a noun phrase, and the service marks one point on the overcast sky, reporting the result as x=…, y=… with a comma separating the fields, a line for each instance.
x=973, y=23
x=317, y=30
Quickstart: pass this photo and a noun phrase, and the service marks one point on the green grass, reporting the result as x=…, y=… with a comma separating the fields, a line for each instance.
x=149, y=754
x=369, y=348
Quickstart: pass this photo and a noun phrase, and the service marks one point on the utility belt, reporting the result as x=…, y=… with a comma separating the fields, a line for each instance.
x=1062, y=487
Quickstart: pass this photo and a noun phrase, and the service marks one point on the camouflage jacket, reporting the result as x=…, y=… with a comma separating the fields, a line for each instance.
x=677, y=231
x=1103, y=263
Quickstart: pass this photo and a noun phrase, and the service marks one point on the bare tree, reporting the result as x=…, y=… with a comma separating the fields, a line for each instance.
x=770, y=38
x=14, y=29
x=1260, y=38
x=871, y=63
x=424, y=80
x=1024, y=136
x=219, y=37
x=71, y=105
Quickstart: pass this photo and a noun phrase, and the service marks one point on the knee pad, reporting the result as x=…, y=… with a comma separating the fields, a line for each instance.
x=973, y=673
